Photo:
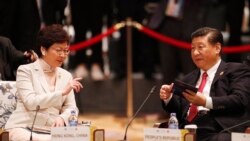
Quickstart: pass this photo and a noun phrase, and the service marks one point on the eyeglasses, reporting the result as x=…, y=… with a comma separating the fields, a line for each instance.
x=62, y=51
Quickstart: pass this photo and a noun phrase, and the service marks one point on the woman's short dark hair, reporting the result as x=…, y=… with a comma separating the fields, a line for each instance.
x=50, y=35
x=215, y=36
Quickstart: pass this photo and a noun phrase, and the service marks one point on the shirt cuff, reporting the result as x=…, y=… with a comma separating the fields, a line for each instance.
x=209, y=103
x=167, y=100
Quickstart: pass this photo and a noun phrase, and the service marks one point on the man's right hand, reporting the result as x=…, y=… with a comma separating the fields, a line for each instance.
x=30, y=55
x=166, y=91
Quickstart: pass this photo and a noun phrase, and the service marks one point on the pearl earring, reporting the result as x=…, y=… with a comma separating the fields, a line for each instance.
x=43, y=53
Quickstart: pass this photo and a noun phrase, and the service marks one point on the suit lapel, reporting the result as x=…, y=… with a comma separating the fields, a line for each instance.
x=194, y=77
x=219, y=73
x=40, y=75
x=58, y=79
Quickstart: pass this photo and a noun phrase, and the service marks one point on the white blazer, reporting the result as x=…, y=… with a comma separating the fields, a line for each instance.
x=33, y=90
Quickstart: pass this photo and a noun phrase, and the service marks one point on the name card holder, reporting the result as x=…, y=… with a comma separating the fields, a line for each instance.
x=190, y=137
x=79, y=133
x=240, y=137
x=4, y=136
x=70, y=133
x=163, y=134
x=99, y=135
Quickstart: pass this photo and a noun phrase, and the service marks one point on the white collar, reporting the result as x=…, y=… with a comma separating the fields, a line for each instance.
x=212, y=70
x=46, y=67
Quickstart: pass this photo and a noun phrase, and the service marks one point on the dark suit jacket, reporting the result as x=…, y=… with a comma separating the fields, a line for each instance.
x=230, y=92
x=53, y=11
x=20, y=22
x=196, y=14
x=10, y=58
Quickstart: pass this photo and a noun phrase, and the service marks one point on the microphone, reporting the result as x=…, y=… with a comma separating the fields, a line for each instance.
x=149, y=94
x=237, y=125
x=31, y=130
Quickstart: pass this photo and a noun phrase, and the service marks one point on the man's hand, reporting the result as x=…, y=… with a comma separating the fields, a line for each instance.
x=30, y=55
x=197, y=99
x=166, y=91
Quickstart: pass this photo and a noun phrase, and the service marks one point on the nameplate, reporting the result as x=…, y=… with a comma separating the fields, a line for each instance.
x=240, y=137
x=162, y=134
x=70, y=133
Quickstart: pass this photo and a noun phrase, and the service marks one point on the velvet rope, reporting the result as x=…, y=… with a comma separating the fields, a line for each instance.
x=186, y=45
x=236, y=49
x=153, y=34
x=93, y=40
x=165, y=39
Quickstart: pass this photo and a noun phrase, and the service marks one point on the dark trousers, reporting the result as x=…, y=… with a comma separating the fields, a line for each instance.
x=209, y=130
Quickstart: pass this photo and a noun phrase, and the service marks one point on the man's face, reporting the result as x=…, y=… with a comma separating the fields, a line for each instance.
x=204, y=54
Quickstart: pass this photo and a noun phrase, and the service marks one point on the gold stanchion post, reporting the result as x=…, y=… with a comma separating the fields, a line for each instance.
x=129, y=68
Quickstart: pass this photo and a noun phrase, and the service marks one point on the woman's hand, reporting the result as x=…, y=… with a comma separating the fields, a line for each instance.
x=59, y=122
x=73, y=84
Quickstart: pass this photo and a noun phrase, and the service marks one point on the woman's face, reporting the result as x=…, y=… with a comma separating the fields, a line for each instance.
x=56, y=54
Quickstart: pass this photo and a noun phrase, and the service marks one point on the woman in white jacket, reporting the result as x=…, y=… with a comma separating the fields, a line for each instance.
x=44, y=87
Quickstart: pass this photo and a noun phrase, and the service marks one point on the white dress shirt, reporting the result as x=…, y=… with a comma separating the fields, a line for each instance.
x=206, y=91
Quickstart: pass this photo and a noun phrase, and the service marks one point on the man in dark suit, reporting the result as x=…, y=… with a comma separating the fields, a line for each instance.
x=11, y=58
x=222, y=100
x=190, y=15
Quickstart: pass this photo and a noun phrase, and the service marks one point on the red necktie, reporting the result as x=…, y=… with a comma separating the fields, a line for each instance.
x=193, y=108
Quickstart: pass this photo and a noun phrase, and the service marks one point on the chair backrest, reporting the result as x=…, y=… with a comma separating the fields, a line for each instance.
x=7, y=100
